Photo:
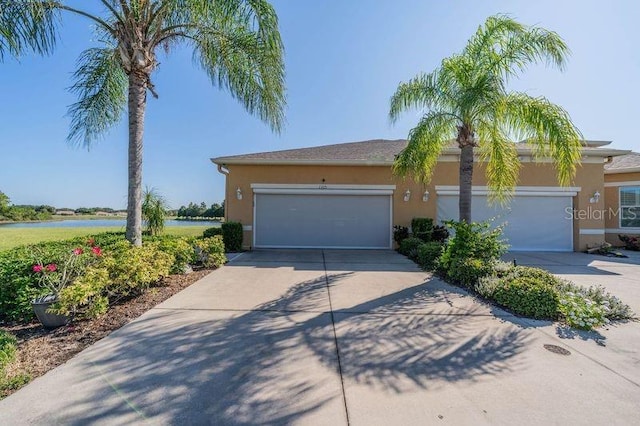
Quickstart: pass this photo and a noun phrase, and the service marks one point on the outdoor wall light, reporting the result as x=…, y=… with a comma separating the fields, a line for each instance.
x=595, y=198
x=425, y=196
x=239, y=194
x=407, y=195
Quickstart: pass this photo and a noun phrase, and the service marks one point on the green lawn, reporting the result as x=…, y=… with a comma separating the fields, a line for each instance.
x=12, y=237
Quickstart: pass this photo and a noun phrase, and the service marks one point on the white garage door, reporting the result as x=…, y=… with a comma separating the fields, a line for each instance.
x=322, y=221
x=536, y=223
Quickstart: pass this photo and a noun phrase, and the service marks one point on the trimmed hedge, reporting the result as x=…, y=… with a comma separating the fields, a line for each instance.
x=212, y=232
x=422, y=227
x=428, y=255
x=232, y=236
x=409, y=247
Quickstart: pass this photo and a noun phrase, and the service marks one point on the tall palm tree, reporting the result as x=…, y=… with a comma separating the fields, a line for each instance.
x=466, y=100
x=236, y=42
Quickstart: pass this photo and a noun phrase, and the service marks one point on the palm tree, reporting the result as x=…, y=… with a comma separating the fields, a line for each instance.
x=466, y=100
x=154, y=211
x=236, y=42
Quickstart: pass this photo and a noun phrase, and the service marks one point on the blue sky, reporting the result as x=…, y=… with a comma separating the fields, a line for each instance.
x=344, y=60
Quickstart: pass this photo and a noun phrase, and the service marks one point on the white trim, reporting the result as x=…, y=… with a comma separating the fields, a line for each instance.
x=316, y=186
x=253, y=234
x=618, y=171
x=317, y=191
x=632, y=231
x=523, y=191
x=627, y=183
x=591, y=231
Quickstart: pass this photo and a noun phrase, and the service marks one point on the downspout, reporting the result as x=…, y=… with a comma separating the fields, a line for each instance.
x=224, y=171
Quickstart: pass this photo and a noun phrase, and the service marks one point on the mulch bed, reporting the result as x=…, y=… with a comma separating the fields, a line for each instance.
x=40, y=350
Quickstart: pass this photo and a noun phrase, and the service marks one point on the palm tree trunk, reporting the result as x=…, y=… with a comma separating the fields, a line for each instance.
x=466, y=179
x=137, y=106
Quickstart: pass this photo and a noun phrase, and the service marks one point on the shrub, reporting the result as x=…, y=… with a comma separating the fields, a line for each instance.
x=526, y=296
x=212, y=232
x=471, y=241
x=535, y=273
x=422, y=227
x=468, y=271
x=614, y=308
x=134, y=269
x=232, y=236
x=409, y=247
x=211, y=252
x=581, y=312
x=18, y=284
x=400, y=233
x=630, y=243
x=428, y=255
x=154, y=211
x=87, y=297
x=182, y=250
x=440, y=233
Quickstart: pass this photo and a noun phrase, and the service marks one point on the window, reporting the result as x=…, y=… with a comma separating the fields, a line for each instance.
x=630, y=207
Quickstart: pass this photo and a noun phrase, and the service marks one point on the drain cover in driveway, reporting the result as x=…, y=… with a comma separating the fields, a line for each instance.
x=557, y=350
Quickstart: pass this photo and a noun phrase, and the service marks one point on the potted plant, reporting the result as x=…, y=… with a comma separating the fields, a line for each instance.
x=54, y=277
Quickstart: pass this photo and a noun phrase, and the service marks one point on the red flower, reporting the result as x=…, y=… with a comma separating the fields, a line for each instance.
x=37, y=268
x=52, y=267
x=77, y=251
x=96, y=250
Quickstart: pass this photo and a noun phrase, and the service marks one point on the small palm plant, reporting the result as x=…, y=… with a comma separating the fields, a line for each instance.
x=466, y=100
x=154, y=211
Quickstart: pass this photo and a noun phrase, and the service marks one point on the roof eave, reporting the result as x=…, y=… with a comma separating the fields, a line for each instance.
x=624, y=170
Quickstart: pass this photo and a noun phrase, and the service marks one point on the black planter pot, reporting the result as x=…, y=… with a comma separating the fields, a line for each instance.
x=48, y=320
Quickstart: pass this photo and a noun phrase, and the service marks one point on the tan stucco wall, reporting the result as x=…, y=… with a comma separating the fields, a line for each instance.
x=612, y=204
x=589, y=177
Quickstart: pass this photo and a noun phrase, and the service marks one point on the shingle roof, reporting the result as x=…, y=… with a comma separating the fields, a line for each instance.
x=371, y=152
x=376, y=150
x=624, y=163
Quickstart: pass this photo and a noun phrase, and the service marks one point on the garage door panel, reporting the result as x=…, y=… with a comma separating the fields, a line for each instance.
x=531, y=222
x=336, y=221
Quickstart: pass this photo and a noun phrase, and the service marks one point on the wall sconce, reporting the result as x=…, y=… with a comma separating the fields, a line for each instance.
x=425, y=196
x=595, y=198
x=407, y=195
x=239, y=194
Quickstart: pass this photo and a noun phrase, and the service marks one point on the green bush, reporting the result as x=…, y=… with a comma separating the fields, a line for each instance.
x=581, y=312
x=468, y=271
x=428, y=254
x=18, y=284
x=232, y=236
x=614, y=308
x=182, y=250
x=409, y=247
x=471, y=241
x=440, y=234
x=212, y=232
x=528, y=296
x=400, y=233
x=422, y=227
x=211, y=252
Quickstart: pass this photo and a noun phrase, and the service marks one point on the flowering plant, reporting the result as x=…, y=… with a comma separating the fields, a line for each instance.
x=55, y=276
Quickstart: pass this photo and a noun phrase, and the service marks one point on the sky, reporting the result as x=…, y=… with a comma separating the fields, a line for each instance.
x=344, y=60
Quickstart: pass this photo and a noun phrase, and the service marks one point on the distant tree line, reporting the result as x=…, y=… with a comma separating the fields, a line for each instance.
x=201, y=210
x=23, y=212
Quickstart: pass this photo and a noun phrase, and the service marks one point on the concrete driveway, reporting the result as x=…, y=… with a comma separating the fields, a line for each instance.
x=337, y=337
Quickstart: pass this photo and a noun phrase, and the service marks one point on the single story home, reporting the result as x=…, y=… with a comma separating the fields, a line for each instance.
x=346, y=196
x=622, y=197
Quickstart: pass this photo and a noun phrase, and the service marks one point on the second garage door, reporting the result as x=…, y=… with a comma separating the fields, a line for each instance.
x=322, y=221
x=532, y=222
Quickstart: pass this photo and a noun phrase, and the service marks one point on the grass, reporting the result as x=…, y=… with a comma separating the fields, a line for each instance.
x=12, y=237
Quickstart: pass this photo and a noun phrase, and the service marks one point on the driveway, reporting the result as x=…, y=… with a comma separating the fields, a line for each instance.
x=337, y=337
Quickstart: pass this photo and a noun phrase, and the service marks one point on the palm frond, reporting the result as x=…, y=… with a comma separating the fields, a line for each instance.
x=426, y=142
x=502, y=162
x=548, y=128
x=27, y=25
x=101, y=85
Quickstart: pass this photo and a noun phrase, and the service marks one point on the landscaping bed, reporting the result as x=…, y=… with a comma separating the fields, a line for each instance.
x=40, y=350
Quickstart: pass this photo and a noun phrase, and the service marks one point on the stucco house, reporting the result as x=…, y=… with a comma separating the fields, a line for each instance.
x=346, y=196
x=622, y=197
